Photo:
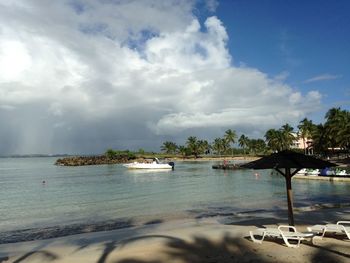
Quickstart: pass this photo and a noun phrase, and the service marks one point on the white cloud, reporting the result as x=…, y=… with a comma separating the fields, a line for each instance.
x=282, y=76
x=7, y=107
x=121, y=73
x=14, y=59
x=190, y=49
x=238, y=98
x=322, y=78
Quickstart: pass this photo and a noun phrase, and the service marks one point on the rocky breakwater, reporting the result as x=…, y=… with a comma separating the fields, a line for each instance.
x=92, y=160
x=228, y=166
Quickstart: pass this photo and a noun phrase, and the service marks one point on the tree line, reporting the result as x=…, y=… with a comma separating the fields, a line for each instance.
x=332, y=135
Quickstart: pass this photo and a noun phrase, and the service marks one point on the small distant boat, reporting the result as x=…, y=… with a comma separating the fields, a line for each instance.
x=323, y=172
x=302, y=172
x=341, y=173
x=312, y=172
x=156, y=164
x=315, y=172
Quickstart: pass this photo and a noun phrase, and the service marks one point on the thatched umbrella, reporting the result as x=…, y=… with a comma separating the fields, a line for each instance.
x=288, y=160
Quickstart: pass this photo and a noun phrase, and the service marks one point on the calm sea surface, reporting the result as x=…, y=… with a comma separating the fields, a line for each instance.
x=89, y=194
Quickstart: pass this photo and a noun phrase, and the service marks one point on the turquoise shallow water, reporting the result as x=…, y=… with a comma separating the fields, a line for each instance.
x=90, y=194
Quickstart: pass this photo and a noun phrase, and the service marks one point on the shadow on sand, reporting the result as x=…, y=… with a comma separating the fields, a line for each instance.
x=41, y=255
x=204, y=249
x=200, y=249
x=229, y=249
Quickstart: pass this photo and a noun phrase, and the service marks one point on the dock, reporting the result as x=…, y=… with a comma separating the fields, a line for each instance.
x=323, y=178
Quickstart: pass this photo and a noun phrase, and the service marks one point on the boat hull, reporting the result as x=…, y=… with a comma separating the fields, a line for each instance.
x=152, y=166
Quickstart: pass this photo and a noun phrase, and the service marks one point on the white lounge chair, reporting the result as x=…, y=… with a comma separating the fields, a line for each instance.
x=283, y=232
x=341, y=227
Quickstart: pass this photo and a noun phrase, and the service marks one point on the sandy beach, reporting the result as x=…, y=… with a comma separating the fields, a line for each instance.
x=189, y=240
x=217, y=158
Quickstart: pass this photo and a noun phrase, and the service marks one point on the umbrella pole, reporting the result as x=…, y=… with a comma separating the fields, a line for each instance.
x=289, y=196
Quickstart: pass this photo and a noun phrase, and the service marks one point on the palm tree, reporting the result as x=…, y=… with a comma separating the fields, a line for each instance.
x=182, y=150
x=257, y=146
x=219, y=145
x=260, y=146
x=330, y=128
x=343, y=133
x=337, y=127
x=169, y=147
x=332, y=113
x=319, y=137
x=334, y=133
x=305, y=128
x=288, y=136
x=204, y=146
x=193, y=145
x=243, y=142
x=230, y=137
x=274, y=139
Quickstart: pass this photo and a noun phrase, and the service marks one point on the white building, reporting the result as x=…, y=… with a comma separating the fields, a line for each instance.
x=303, y=144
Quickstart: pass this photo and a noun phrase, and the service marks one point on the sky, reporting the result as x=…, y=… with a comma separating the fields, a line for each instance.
x=82, y=76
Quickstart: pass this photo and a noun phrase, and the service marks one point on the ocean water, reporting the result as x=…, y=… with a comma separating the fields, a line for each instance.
x=92, y=194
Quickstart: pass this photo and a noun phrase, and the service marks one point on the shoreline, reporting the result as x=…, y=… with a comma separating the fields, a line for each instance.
x=58, y=231
x=188, y=240
x=206, y=159
x=72, y=161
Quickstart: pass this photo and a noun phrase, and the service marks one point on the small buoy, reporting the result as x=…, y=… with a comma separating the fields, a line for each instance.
x=44, y=182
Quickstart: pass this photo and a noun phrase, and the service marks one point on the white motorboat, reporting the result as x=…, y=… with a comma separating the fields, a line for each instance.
x=324, y=172
x=341, y=173
x=302, y=172
x=156, y=164
x=314, y=172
